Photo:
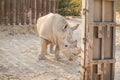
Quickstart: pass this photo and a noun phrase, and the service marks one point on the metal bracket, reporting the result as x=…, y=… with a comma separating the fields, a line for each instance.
x=108, y=31
x=84, y=40
x=84, y=11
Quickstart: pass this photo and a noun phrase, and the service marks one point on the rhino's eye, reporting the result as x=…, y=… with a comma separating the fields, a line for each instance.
x=66, y=45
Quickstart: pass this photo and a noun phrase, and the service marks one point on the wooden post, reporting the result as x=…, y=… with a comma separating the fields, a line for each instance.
x=24, y=12
x=5, y=12
x=20, y=12
x=29, y=15
x=44, y=7
x=35, y=10
x=98, y=40
x=40, y=8
x=54, y=6
x=14, y=12
x=0, y=11
x=49, y=6
x=57, y=4
x=17, y=12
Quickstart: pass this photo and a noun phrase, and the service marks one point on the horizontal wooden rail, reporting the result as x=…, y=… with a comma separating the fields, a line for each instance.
x=111, y=24
x=103, y=61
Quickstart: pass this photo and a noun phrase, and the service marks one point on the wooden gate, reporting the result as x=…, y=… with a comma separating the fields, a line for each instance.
x=98, y=40
x=17, y=12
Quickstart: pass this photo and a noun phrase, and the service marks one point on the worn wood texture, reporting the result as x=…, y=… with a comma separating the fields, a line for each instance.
x=98, y=56
x=25, y=12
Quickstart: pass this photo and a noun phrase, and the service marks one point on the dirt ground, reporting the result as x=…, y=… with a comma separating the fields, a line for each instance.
x=18, y=59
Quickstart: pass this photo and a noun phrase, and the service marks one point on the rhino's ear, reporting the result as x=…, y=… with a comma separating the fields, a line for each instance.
x=65, y=27
x=75, y=27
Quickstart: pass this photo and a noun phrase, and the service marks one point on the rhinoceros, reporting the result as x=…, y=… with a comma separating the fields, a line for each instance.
x=53, y=29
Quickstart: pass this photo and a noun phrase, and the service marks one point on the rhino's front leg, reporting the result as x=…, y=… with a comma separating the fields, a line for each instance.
x=57, y=51
x=43, y=49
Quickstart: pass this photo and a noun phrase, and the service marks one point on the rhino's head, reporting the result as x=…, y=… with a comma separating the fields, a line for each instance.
x=66, y=41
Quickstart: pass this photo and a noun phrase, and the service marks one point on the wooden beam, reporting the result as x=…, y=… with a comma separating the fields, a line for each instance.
x=103, y=61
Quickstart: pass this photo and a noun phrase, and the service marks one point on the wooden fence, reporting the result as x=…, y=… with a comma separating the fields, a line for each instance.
x=98, y=40
x=24, y=12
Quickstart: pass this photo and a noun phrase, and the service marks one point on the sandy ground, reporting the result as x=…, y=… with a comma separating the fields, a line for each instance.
x=18, y=59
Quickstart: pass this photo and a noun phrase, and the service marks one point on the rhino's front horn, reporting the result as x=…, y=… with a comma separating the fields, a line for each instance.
x=74, y=44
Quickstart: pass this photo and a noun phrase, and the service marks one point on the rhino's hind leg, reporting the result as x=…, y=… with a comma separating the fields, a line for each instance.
x=57, y=57
x=51, y=47
x=43, y=49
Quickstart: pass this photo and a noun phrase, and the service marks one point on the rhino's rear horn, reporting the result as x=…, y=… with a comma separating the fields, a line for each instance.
x=75, y=27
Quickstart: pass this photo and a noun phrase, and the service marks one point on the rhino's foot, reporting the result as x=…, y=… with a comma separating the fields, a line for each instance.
x=57, y=58
x=41, y=57
x=52, y=52
x=70, y=59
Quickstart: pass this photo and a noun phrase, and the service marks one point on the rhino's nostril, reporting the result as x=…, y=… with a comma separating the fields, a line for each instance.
x=66, y=45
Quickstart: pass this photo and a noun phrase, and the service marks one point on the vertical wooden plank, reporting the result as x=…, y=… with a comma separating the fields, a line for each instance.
x=57, y=3
x=5, y=12
x=97, y=43
x=108, y=10
x=108, y=45
x=83, y=70
x=0, y=11
x=24, y=12
x=38, y=9
x=21, y=11
x=44, y=7
x=108, y=75
x=113, y=40
x=90, y=33
x=98, y=10
x=53, y=6
x=35, y=10
x=28, y=11
x=14, y=12
x=42, y=10
x=8, y=12
x=49, y=6
x=18, y=12
x=11, y=12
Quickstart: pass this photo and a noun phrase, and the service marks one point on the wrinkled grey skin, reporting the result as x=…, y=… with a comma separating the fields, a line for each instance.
x=54, y=30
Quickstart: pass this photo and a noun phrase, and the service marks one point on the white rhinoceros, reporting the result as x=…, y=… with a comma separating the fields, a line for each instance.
x=53, y=29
